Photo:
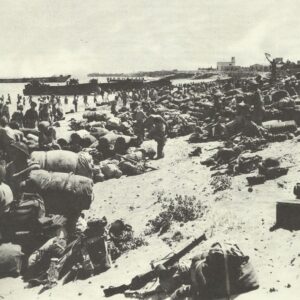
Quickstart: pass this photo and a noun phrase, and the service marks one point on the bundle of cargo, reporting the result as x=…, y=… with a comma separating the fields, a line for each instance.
x=172, y=106
x=129, y=168
x=79, y=124
x=113, y=123
x=98, y=132
x=63, y=137
x=270, y=168
x=286, y=102
x=64, y=161
x=110, y=169
x=278, y=95
x=82, y=138
x=276, y=126
x=95, y=116
x=272, y=113
x=63, y=193
x=234, y=92
x=108, y=140
x=247, y=163
x=254, y=180
x=123, y=143
x=279, y=137
x=126, y=128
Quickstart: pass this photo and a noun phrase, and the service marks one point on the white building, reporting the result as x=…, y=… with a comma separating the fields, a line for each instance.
x=224, y=65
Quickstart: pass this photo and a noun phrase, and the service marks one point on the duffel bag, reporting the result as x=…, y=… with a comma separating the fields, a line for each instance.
x=223, y=271
x=64, y=161
x=94, y=116
x=111, y=170
x=62, y=193
x=98, y=132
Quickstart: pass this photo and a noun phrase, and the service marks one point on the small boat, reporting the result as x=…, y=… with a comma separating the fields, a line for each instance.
x=134, y=83
x=51, y=79
x=125, y=79
x=73, y=87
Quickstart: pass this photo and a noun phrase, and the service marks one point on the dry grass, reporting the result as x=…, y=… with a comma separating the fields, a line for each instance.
x=177, y=209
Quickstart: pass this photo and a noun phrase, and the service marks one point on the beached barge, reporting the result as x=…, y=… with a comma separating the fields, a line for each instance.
x=51, y=79
x=37, y=88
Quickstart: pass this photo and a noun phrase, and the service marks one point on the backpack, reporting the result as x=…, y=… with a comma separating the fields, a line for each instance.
x=223, y=271
x=24, y=215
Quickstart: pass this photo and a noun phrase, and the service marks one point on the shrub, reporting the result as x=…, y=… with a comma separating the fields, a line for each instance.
x=220, y=183
x=178, y=209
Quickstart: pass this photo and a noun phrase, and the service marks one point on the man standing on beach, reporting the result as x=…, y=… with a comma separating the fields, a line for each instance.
x=31, y=116
x=18, y=116
x=273, y=65
x=157, y=127
x=75, y=102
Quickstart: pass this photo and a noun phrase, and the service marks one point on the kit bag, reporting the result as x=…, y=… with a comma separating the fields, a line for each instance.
x=222, y=272
x=64, y=161
x=62, y=193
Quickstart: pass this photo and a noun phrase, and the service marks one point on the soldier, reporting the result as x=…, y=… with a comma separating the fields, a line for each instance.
x=75, y=103
x=218, y=105
x=5, y=111
x=212, y=275
x=31, y=116
x=157, y=130
x=273, y=67
x=44, y=114
x=258, y=105
x=251, y=129
x=114, y=105
x=18, y=116
x=140, y=117
x=85, y=100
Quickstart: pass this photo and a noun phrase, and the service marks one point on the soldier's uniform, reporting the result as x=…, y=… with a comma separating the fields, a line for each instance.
x=158, y=132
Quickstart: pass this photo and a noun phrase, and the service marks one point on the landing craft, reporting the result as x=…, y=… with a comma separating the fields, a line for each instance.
x=73, y=87
x=132, y=83
x=51, y=79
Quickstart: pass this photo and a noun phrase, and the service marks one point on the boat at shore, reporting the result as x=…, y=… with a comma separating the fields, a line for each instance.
x=132, y=83
x=73, y=87
x=51, y=79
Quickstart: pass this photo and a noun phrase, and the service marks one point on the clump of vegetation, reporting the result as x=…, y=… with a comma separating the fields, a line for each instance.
x=116, y=249
x=178, y=209
x=221, y=183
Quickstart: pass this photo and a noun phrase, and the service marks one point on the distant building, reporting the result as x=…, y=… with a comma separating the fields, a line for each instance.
x=259, y=68
x=225, y=65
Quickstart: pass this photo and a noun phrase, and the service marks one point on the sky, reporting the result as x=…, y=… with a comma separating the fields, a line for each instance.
x=47, y=37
